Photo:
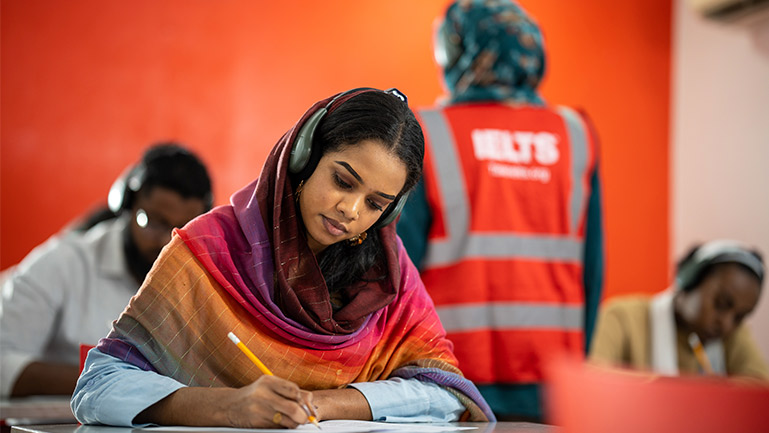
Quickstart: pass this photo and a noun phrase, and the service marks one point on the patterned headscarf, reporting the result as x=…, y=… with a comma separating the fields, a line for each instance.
x=491, y=50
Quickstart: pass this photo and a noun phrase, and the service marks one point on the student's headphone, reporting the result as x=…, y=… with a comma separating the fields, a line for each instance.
x=712, y=253
x=302, y=149
x=123, y=190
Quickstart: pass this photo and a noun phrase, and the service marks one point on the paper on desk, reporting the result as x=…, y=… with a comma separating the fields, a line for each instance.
x=331, y=426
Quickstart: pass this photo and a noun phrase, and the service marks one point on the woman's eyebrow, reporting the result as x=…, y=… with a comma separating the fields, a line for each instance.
x=351, y=170
x=357, y=176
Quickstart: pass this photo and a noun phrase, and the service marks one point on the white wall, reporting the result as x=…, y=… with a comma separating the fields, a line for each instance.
x=720, y=138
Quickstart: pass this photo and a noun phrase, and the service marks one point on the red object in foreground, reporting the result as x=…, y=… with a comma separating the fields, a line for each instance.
x=84, y=348
x=588, y=398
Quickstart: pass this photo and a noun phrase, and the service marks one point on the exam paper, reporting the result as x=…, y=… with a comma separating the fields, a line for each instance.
x=331, y=426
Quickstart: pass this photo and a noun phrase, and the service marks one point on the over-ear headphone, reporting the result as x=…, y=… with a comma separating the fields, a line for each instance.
x=122, y=192
x=302, y=149
x=711, y=253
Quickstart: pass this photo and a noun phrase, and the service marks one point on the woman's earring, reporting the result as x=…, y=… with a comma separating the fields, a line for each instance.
x=357, y=239
x=298, y=191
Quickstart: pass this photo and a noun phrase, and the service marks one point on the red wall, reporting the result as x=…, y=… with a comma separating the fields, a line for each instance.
x=86, y=84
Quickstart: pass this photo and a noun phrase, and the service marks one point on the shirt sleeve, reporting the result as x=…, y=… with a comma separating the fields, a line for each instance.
x=31, y=301
x=593, y=266
x=112, y=392
x=410, y=400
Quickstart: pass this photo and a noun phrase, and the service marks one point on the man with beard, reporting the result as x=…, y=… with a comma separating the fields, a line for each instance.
x=69, y=289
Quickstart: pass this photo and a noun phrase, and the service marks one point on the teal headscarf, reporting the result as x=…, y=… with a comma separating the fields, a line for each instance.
x=490, y=50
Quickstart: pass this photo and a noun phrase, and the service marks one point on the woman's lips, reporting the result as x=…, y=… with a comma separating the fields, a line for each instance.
x=334, y=227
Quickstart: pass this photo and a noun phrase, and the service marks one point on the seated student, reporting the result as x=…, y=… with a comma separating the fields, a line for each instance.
x=68, y=290
x=304, y=266
x=717, y=285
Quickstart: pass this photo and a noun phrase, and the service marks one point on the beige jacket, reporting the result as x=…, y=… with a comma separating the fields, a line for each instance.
x=623, y=337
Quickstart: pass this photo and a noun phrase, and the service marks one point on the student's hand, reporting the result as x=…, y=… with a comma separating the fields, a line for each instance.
x=270, y=402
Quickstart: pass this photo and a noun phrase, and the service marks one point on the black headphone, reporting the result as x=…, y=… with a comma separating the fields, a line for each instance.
x=123, y=190
x=712, y=253
x=302, y=150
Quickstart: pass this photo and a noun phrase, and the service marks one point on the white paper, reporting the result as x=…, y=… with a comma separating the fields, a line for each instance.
x=331, y=426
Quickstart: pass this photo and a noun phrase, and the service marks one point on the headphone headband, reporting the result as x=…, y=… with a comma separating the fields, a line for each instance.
x=714, y=252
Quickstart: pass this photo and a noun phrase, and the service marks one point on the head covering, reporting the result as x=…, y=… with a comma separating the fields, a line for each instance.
x=490, y=50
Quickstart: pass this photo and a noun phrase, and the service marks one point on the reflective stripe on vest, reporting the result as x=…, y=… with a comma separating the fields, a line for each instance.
x=459, y=243
x=465, y=318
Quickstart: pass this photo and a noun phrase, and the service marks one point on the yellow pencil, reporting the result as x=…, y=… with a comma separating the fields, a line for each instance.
x=699, y=353
x=263, y=368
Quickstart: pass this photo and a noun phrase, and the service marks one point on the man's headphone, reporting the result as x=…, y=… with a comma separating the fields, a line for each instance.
x=712, y=253
x=123, y=191
x=302, y=151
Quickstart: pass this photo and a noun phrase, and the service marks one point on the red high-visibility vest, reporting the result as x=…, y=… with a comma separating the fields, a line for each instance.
x=507, y=189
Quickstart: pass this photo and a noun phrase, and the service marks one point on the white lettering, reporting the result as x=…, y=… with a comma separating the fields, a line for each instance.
x=541, y=174
x=524, y=140
x=515, y=147
x=547, y=148
x=482, y=144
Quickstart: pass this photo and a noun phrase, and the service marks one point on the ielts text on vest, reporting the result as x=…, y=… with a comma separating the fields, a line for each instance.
x=521, y=155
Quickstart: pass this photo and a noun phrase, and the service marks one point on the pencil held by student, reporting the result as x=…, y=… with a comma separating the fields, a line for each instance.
x=304, y=398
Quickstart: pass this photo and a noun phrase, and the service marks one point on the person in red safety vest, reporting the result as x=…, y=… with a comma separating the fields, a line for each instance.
x=506, y=226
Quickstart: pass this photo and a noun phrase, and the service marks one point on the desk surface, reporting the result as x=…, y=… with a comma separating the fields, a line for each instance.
x=500, y=427
x=36, y=410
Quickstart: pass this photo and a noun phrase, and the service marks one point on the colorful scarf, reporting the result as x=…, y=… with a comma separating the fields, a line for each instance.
x=499, y=52
x=246, y=268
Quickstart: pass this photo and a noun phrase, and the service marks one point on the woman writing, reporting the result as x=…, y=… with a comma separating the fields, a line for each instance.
x=305, y=268
x=695, y=328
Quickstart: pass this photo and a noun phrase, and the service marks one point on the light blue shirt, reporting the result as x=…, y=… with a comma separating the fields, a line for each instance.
x=112, y=392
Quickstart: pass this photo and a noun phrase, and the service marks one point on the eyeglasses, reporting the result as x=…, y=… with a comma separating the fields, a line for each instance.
x=143, y=220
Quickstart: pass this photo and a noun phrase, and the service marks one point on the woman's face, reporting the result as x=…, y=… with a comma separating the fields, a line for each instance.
x=348, y=191
x=719, y=304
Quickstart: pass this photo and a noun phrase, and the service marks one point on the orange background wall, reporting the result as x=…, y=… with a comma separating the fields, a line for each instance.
x=86, y=84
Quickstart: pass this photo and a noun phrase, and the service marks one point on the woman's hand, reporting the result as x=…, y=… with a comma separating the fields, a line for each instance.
x=270, y=402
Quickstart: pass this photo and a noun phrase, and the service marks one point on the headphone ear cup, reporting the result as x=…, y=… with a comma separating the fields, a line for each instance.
x=687, y=273
x=122, y=191
x=392, y=211
x=301, y=150
x=116, y=195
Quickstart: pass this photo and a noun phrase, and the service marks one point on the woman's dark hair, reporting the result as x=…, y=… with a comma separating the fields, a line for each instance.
x=691, y=271
x=376, y=116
